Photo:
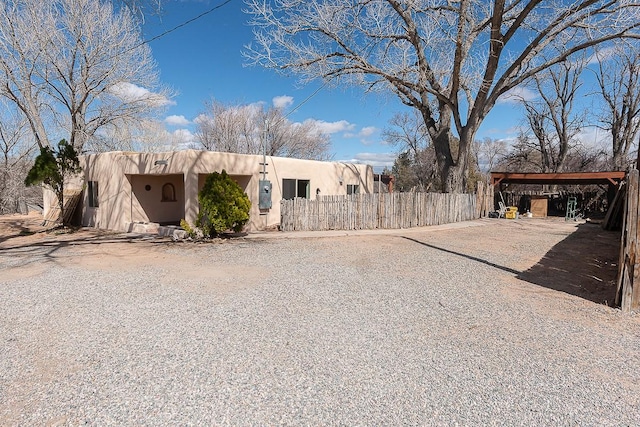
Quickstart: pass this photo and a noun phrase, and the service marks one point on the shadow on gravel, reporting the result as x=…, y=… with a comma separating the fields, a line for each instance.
x=585, y=264
x=18, y=229
x=484, y=261
x=48, y=249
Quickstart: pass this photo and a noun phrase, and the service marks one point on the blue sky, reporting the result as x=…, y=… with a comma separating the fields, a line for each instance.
x=204, y=60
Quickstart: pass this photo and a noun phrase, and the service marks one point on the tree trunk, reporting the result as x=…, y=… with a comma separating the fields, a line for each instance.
x=454, y=169
x=453, y=172
x=456, y=179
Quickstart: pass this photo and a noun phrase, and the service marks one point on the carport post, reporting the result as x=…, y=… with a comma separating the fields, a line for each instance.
x=628, y=289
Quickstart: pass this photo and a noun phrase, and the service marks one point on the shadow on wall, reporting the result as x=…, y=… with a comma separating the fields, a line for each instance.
x=365, y=182
x=585, y=264
x=191, y=166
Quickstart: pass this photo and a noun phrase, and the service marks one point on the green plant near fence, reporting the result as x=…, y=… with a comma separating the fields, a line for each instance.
x=377, y=210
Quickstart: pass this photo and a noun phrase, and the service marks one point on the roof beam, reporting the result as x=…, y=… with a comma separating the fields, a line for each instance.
x=568, y=178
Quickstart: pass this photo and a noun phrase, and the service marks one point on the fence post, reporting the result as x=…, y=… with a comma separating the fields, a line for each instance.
x=628, y=284
x=480, y=195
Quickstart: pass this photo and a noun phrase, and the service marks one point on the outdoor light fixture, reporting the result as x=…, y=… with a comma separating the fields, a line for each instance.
x=160, y=162
x=340, y=180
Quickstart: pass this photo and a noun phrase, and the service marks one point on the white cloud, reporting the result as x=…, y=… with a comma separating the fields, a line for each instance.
x=201, y=119
x=332, y=127
x=184, y=135
x=283, y=101
x=367, y=131
x=131, y=93
x=364, y=134
x=377, y=160
x=177, y=121
x=516, y=95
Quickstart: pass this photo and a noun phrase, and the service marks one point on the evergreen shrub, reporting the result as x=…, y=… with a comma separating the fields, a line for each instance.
x=223, y=205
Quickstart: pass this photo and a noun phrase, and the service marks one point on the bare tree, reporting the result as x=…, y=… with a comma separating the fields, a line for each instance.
x=525, y=156
x=618, y=77
x=233, y=129
x=416, y=165
x=552, y=118
x=75, y=67
x=489, y=152
x=140, y=8
x=522, y=156
x=146, y=135
x=241, y=129
x=450, y=60
x=16, y=151
x=588, y=158
x=408, y=132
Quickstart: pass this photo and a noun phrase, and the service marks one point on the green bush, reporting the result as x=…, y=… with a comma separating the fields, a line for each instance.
x=186, y=227
x=52, y=168
x=223, y=205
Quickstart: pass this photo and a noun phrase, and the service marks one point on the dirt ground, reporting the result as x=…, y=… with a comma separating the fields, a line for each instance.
x=583, y=264
x=494, y=319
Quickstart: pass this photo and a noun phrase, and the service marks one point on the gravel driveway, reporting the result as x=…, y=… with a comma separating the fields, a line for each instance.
x=415, y=327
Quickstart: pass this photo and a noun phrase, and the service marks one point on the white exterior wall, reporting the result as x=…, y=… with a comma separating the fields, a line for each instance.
x=122, y=178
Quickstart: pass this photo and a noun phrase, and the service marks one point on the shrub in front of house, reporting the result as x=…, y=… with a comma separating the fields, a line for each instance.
x=223, y=205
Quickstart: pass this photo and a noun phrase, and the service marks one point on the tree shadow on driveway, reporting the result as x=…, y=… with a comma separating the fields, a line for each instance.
x=49, y=250
x=584, y=264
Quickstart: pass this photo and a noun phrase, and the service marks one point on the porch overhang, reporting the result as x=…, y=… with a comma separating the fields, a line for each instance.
x=568, y=178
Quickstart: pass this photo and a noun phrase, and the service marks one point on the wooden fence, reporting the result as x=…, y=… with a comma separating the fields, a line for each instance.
x=382, y=210
x=628, y=285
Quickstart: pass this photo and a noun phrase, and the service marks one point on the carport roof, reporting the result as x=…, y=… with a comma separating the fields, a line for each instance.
x=570, y=178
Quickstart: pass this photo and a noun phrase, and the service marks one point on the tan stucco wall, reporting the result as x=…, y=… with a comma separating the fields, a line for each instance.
x=147, y=204
x=114, y=194
x=122, y=178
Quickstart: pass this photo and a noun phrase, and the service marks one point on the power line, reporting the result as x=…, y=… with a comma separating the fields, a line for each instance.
x=187, y=22
x=203, y=14
x=307, y=99
x=184, y=24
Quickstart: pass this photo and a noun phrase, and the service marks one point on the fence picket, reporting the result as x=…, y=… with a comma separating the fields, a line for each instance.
x=379, y=210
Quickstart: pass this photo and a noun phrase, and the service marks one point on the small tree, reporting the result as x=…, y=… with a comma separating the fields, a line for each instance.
x=52, y=168
x=223, y=205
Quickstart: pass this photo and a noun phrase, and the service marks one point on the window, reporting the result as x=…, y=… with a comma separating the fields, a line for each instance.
x=288, y=189
x=303, y=188
x=353, y=189
x=92, y=189
x=292, y=188
x=168, y=193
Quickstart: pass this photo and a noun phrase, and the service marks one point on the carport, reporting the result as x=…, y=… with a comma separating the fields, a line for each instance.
x=568, y=178
x=609, y=179
x=627, y=292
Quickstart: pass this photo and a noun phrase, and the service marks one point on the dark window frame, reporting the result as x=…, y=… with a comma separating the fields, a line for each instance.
x=353, y=188
x=296, y=188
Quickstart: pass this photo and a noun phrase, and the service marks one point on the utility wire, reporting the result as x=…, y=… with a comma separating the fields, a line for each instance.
x=307, y=99
x=187, y=22
x=203, y=14
x=183, y=24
